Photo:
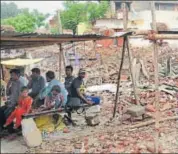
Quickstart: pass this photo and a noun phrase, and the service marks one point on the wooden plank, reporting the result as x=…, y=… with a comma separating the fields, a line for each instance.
x=63, y=39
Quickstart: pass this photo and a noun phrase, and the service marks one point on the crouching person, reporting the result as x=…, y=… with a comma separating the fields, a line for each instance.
x=24, y=107
x=54, y=100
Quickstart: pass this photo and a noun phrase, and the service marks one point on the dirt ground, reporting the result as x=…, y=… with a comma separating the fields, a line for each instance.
x=108, y=136
x=112, y=136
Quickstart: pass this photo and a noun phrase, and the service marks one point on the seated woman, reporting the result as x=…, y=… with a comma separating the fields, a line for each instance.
x=53, y=100
x=24, y=107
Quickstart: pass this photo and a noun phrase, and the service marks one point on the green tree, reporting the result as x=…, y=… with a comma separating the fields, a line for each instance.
x=9, y=10
x=23, y=22
x=26, y=21
x=74, y=13
x=96, y=11
x=39, y=18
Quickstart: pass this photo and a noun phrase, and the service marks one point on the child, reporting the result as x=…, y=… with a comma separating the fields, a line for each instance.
x=24, y=107
x=54, y=100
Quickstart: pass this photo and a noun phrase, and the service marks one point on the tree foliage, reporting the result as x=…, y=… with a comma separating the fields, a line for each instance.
x=9, y=10
x=95, y=11
x=76, y=12
x=26, y=21
x=39, y=18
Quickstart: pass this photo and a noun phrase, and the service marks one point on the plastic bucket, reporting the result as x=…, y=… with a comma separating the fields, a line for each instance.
x=94, y=99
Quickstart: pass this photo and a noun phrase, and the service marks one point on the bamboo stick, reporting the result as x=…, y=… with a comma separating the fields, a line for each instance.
x=60, y=61
x=119, y=76
x=155, y=62
x=131, y=71
x=152, y=122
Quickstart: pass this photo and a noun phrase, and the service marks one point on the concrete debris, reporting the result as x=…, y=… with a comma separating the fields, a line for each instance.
x=112, y=136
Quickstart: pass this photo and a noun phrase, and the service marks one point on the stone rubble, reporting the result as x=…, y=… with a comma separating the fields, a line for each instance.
x=113, y=136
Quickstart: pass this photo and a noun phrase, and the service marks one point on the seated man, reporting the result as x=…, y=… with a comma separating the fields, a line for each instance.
x=13, y=91
x=50, y=77
x=53, y=100
x=24, y=107
x=77, y=93
x=36, y=82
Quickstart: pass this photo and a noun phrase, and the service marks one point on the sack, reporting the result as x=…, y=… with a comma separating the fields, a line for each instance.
x=31, y=133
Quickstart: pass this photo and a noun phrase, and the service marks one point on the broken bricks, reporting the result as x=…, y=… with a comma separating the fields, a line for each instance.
x=92, y=119
x=136, y=111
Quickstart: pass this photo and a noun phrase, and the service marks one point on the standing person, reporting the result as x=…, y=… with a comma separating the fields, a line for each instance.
x=50, y=77
x=68, y=79
x=36, y=82
x=23, y=79
x=13, y=91
x=24, y=107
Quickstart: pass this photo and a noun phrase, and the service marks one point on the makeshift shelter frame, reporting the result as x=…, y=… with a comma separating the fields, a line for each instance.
x=13, y=40
x=152, y=35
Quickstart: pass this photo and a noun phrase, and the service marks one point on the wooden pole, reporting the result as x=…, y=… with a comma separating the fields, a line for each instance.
x=59, y=22
x=63, y=58
x=60, y=61
x=131, y=71
x=125, y=16
x=125, y=21
x=162, y=36
x=119, y=76
x=155, y=62
x=2, y=72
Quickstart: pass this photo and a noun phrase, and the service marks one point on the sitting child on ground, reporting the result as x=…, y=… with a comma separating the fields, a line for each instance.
x=24, y=107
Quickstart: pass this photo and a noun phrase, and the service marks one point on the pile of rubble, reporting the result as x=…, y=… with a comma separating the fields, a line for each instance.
x=105, y=70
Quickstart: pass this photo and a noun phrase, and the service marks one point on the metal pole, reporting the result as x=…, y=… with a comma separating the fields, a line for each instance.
x=131, y=71
x=155, y=62
x=119, y=76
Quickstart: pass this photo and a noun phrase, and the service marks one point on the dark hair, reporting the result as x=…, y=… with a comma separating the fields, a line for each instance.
x=36, y=70
x=69, y=67
x=16, y=71
x=56, y=88
x=50, y=74
x=24, y=88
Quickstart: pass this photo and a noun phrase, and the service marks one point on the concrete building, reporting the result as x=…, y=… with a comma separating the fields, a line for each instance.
x=146, y=5
x=139, y=13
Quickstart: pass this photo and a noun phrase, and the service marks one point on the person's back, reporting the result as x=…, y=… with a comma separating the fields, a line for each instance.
x=23, y=80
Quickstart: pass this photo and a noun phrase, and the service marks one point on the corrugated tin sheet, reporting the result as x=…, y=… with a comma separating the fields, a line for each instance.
x=14, y=40
x=16, y=34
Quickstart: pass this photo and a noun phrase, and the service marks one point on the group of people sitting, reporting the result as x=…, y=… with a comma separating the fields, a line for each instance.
x=23, y=97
